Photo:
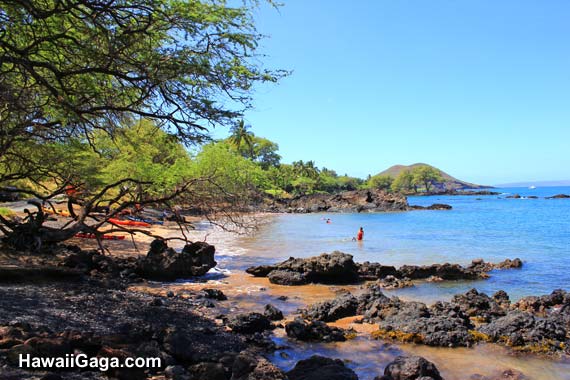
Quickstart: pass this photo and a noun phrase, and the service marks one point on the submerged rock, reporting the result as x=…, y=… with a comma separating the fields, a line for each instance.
x=163, y=263
x=315, y=331
x=559, y=196
x=321, y=368
x=435, y=206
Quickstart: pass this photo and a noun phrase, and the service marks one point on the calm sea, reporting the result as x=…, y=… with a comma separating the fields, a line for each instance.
x=490, y=227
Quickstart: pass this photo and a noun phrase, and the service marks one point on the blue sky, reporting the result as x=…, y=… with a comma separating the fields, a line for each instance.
x=478, y=88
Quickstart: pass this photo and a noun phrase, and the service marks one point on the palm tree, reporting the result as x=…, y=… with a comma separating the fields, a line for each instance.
x=240, y=135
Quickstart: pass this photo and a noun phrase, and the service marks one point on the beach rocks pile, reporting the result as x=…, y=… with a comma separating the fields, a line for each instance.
x=164, y=263
x=55, y=319
x=534, y=324
x=94, y=264
x=339, y=268
x=334, y=268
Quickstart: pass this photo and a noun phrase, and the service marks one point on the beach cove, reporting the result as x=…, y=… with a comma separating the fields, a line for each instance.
x=489, y=227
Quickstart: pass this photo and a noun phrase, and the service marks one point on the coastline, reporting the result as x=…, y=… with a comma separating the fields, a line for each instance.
x=367, y=356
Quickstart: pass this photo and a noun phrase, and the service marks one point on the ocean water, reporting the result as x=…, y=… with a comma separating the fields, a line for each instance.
x=490, y=227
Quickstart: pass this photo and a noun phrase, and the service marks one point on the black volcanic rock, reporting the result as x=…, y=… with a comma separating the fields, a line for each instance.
x=342, y=306
x=321, y=368
x=347, y=201
x=163, y=263
x=559, y=196
x=411, y=368
x=249, y=323
x=334, y=268
x=313, y=331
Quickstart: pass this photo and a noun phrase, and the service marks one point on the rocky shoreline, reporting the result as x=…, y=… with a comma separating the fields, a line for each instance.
x=339, y=268
x=95, y=312
x=357, y=201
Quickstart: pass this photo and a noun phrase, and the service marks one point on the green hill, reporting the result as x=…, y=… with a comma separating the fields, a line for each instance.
x=449, y=183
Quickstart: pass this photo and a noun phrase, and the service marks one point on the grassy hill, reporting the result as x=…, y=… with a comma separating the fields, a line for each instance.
x=449, y=183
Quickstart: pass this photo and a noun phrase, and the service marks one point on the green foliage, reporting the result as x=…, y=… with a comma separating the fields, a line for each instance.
x=228, y=169
x=6, y=212
x=403, y=183
x=73, y=75
x=242, y=139
x=142, y=152
x=426, y=176
x=381, y=182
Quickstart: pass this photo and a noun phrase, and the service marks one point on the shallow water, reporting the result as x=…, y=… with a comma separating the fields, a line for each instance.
x=491, y=227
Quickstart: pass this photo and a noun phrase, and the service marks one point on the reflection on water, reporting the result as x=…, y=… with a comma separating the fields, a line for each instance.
x=369, y=357
x=366, y=356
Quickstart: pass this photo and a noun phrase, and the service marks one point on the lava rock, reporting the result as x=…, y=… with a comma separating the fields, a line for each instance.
x=272, y=313
x=215, y=294
x=321, y=368
x=286, y=277
x=411, y=368
x=342, y=306
x=249, y=323
x=315, y=331
x=163, y=263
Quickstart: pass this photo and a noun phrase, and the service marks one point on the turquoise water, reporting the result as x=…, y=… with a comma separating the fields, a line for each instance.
x=490, y=227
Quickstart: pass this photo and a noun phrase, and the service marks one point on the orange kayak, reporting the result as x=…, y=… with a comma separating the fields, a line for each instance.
x=104, y=237
x=132, y=223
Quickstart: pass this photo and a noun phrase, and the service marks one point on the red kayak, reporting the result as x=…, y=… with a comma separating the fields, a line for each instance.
x=104, y=237
x=132, y=223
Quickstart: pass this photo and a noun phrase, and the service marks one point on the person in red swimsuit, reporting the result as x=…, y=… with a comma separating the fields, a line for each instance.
x=360, y=234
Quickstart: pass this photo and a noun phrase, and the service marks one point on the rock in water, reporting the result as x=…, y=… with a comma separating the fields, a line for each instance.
x=315, y=331
x=273, y=313
x=335, y=268
x=342, y=306
x=286, y=277
x=163, y=263
x=411, y=368
x=321, y=368
x=249, y=323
